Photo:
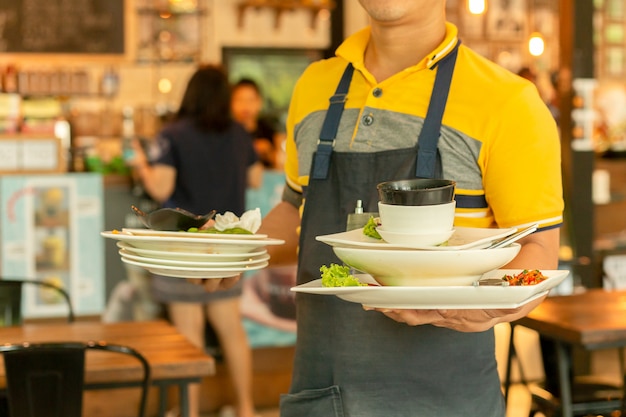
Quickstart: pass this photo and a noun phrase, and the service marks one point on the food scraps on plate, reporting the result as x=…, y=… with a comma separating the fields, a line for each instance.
x=526, y=277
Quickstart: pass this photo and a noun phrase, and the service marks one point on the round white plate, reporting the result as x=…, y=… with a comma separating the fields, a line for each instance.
x=191, y=264
x=192, y=244
x=462, y=238
x=426, y=268
x=186, y=272
x=455, y=297
x=189, y=256
x=202, y=235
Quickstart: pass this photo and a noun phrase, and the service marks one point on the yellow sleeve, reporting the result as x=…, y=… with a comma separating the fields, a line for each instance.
x=522, y=164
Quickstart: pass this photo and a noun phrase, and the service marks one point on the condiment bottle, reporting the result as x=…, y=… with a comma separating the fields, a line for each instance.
x=357, y=219
x=128, y=133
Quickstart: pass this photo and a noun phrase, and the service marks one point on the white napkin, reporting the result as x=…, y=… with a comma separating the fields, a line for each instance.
x=250, y=220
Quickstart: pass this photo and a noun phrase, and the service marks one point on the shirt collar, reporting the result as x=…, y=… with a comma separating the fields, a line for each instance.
x=353, y=48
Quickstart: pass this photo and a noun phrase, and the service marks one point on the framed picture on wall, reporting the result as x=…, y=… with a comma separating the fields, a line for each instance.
x=275, y=70
x=615, y=62
x=543, y=21
x=615, y=9
x=507, y=19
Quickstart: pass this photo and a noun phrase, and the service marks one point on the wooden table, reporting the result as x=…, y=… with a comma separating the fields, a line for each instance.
x=594, y=319
x=173, y=359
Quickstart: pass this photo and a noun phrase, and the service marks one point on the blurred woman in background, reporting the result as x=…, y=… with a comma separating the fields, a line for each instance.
x=204, y=161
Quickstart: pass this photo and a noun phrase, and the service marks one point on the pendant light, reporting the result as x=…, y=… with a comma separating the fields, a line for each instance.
x=477, y=6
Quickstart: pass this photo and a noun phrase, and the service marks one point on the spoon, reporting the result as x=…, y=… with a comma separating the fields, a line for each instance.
x=171, y=219
x=514, y=237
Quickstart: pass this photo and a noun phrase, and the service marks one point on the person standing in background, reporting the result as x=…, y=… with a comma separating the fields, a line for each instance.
x=204, y=161
x=246, y=105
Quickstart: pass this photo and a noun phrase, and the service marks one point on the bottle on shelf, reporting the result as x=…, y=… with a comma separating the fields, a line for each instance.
x=128, y=133
x=110, y=82
x=9, y=79
x=63, y=131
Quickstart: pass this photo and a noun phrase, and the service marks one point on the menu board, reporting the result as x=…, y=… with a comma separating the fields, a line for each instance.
x=62, y=26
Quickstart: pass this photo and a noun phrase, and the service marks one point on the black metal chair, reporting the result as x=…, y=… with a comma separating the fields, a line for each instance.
x=47, y=379
x=11, y=299
x=589, y=395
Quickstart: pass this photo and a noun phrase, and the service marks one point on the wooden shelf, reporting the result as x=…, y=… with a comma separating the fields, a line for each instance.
x=282, y=6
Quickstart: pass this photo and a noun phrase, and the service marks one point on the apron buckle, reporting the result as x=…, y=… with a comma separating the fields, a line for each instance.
x=325, y=142
x=338, y=98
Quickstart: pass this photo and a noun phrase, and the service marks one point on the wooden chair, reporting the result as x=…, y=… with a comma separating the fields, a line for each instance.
x=47, y=379
x=11, y=299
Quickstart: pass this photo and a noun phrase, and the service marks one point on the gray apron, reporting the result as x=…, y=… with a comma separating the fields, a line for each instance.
x=355, y=363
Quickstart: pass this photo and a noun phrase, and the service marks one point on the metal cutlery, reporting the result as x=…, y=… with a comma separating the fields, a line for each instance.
x=507, y=240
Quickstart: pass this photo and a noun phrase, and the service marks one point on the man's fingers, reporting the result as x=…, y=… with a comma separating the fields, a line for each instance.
x=215, y=284
x=226, y=283
x=410, y=317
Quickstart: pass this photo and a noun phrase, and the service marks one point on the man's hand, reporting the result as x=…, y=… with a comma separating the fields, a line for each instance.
x=459, y=320
x=539, y=251
x=215, y=284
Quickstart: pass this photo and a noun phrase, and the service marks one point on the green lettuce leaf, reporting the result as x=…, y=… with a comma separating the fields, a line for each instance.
x=338, y=276
x=370, y=229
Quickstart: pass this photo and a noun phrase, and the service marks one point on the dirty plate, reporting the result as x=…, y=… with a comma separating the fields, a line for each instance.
x=192, y=244
x=201, y=235
x=190, y=256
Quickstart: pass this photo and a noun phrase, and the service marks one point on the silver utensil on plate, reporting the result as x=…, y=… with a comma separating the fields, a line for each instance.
x=507, y=240
x=497, y=282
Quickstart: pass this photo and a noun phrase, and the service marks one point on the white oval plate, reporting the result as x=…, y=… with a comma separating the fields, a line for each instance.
x=189, y=256
x=186, y=272
x=191, y=244
x=456, y=297
x=462, y=238
x=191, y=264
x=234, y=236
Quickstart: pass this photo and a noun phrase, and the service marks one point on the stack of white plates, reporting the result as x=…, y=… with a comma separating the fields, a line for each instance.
x=192, y=255
x=420, y=276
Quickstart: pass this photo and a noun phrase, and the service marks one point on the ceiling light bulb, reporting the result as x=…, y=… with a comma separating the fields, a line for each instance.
x=476, y=6
x=536, y=45
x=165, y=85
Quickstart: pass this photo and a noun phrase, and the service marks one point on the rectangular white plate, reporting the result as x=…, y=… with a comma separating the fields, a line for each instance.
x=452, y=297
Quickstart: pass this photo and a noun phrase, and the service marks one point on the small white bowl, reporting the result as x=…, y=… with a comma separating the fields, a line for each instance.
x=414, y=240
x=417, y=219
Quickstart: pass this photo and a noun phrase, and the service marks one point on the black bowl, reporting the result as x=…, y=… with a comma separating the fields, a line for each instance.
x=416, y=192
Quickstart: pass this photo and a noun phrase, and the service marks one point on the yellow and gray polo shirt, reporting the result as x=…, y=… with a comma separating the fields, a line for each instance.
x=498, y=141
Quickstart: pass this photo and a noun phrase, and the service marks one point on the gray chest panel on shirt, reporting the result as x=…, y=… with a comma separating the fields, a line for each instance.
x=459, y=152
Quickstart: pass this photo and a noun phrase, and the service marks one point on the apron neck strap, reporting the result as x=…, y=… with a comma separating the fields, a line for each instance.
x=321, y=160
x=431, y=130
